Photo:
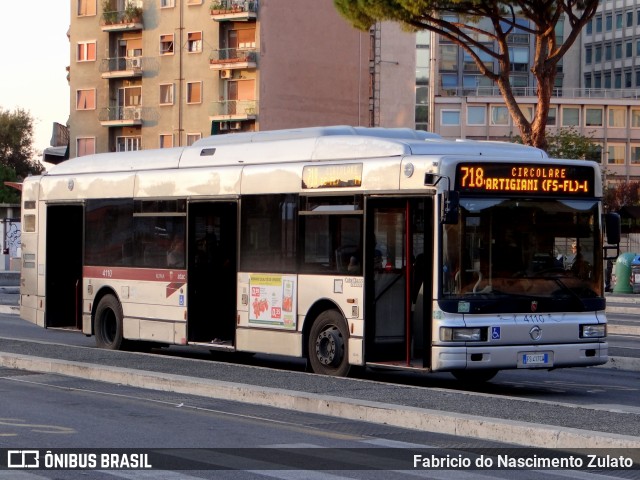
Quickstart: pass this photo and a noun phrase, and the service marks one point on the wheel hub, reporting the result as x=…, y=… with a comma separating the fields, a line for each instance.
x=329, y=347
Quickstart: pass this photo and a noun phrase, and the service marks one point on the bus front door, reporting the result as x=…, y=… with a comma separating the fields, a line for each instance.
x=397, y=322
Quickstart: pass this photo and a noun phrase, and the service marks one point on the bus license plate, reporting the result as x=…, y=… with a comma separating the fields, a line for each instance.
x=535, y=359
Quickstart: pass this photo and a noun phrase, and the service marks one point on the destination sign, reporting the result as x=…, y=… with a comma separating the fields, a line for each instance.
x=518, y=178
x=332, y=176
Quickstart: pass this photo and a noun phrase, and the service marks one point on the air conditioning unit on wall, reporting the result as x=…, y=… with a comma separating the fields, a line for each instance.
x=137, y=114
x=136, y=62
x=226, y=73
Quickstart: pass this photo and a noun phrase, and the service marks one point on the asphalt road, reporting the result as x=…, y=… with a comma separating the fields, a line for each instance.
x=511, y=418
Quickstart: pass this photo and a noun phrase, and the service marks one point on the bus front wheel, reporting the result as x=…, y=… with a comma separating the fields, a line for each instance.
x=328, y=341
x=108, y=326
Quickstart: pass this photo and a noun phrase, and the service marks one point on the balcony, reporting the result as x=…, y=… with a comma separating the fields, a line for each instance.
x=233, y=58
x=122, y=67
x=121, y=116
x=233, y=110
x=122, y=20
x=234, y=10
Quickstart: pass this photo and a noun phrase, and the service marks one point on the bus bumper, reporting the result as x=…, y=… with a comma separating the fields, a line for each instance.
x=445, y=359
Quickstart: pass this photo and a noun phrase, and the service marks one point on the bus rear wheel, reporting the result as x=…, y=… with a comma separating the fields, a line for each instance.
x=471, y=377
x=108, y=323
x=328, y=341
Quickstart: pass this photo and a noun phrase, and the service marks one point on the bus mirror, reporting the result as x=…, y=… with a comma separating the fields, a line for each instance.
x=612, y=227
x=450, y=204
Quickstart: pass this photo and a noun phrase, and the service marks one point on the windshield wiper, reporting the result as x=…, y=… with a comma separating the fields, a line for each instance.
x=571, y=292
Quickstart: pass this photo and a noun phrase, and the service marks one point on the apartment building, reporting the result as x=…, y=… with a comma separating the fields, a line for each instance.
x=597, y=88
x=164, y=73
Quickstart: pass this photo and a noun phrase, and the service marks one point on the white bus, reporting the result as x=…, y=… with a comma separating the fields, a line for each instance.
x=345, y=246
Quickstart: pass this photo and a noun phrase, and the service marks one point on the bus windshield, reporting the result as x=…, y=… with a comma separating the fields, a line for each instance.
x=542, y=252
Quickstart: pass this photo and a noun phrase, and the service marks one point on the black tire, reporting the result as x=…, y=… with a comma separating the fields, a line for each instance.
x=328, y=345
x=108, y=324
x=471, y=377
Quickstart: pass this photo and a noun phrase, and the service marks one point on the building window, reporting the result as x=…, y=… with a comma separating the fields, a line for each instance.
x=617, y=80
x=616, y=153
x=448, y=57
x=194, y=42
x=166, y=44
x=519, y=58
x=618, y=21
x=86, y=8
x=590, y=27
x=607, y=52
x=86, y=51
x=192, y=138
x=450, y=117
x=527, y=111
x=635, y=154
x=618, y=51
x=598, y=54
x=194, y=92
x=194, y=2
x=128, y=144
x=635, y=118
x=628, y=47
x=570, y=116
x=608, y=22
x=551, y=116
x=86, y=99
x=85, y=146
x=499, y=115
x=166, y=140
x=167, y=3
x=594, y=117
x=617, y=117
x=166, y=94
x=599, y=24
x=476, y=115
x=587, y=55
x=630, y=19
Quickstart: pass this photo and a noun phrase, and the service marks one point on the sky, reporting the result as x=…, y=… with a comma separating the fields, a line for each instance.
x=34, y=49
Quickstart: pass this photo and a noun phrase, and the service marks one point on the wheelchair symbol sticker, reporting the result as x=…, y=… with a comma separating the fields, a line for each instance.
x=495, y=333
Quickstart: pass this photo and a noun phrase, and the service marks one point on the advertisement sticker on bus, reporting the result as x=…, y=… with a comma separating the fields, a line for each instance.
x=273, y=300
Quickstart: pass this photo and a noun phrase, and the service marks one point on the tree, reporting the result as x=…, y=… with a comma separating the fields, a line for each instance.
x=469, y=32
x=569, y=143
x=16, y=143
x=620, y=195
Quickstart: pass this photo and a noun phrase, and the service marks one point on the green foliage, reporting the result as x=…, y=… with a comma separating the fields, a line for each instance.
x=8, y=194
x=16, y=143
x=569, y=143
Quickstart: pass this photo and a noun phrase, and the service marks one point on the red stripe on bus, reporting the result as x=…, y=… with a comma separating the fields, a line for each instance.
x=173, y=288
x=140, y=274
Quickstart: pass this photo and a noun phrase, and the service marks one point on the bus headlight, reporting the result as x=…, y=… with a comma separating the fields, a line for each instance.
x=450, y=334
x=593, y=331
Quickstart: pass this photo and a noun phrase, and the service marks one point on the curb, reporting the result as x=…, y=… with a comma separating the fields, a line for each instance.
x=509, y=431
